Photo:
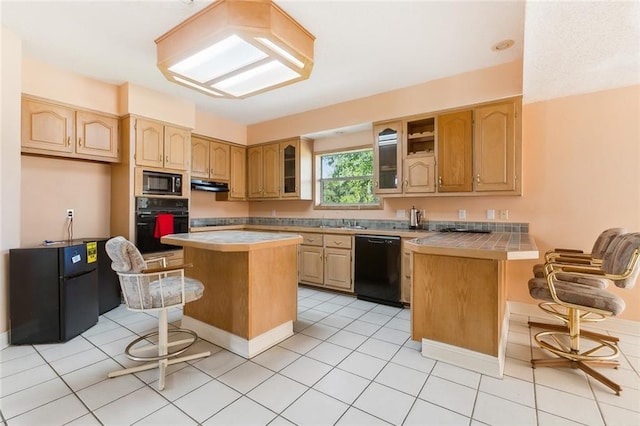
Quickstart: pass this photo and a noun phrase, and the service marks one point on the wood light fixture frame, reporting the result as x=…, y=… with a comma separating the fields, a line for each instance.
x=275, y=49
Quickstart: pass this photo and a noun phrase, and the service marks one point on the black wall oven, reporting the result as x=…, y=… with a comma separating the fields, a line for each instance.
x=147, y=211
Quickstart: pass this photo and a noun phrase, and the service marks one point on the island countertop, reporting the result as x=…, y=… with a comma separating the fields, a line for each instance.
x=232, y=241
x=495, y=245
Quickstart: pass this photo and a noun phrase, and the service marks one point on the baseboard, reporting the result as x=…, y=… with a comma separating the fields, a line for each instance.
x=236, y=344
x=4, y=340
x=616, y=325
x=464, y=358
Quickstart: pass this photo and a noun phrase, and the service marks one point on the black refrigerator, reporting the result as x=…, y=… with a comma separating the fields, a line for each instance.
x=53, y=292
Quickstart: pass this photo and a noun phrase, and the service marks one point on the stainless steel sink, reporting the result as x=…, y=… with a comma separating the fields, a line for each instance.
x=353, y=227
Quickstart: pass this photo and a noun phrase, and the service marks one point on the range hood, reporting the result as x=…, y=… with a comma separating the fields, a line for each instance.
x=207, y=185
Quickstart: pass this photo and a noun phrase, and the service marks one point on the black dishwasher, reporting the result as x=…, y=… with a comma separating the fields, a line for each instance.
x=377, y=269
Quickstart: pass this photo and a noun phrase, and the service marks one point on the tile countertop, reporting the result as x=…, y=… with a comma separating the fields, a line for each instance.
x=496, y=245
x=231, y=240
x=405, y=233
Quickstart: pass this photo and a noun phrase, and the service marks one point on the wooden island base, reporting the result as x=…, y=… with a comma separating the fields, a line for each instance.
x=250, y=298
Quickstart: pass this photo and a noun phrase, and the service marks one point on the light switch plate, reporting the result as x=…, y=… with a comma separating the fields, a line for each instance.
x=462, y=214
x=491, y=214
x=401, y=213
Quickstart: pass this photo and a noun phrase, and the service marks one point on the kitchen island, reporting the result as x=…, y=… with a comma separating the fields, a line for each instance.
x=251, y=287
x=458, y=296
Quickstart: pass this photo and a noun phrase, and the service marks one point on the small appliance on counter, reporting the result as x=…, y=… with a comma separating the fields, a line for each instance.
x=53, y=291
x=414, y=218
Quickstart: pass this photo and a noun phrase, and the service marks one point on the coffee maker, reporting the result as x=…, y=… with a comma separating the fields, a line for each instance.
x=415, y=216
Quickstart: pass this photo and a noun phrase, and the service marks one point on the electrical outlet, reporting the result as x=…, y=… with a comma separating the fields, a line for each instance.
x=491, y=214
x=401, y=213
x=69, y=213
x=504, y=214
x=462, y=214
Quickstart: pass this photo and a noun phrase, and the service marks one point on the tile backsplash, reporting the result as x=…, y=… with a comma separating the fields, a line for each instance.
x=432, y=225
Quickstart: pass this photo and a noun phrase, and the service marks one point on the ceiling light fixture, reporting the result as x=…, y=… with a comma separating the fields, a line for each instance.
x=503, y=45
x=236, y=49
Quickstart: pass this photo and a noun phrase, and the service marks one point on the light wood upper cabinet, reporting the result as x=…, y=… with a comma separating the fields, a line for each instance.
x=255, y=176
x=162, y=146
x=494, y=145
x=271, y=171
x=419, y=174
x=281, y=170
x=238, y=174
x=97, y=134
x=58, y=130
x=199, y=157
x=455, y=156
x=209, y=159
x=387, y=158
x=177, y=144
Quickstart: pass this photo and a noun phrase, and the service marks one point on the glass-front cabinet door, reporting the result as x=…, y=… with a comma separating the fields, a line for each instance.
x=387, y=157
x=290, y=168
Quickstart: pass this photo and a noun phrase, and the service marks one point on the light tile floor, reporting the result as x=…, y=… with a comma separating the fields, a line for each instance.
x=350, y=362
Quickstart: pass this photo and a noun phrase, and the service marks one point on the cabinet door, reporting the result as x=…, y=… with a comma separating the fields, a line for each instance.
x=310, y=268
x=271, y=171
x=48, y=127
x=337, y=268
x=254, y=172
x=177, y=143
x=405, y=289
x=419, y=174
x=97, y=135
x=387, y=157
x=290, y=168
x=199, y=157
x=238, y=173
x=149, y=143
x=219, y=161
x=455, y=166
x=495, y=147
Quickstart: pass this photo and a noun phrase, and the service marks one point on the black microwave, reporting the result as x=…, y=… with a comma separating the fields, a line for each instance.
x=159, y=183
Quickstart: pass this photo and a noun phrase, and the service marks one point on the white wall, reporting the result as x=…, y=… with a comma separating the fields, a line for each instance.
x=10, y=76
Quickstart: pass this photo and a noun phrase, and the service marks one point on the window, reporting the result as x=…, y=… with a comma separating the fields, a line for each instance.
x=346, y=180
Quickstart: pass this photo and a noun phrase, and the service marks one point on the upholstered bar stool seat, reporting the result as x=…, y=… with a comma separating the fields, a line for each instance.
x=154, y=290
x=575, y=349
x=607, y=239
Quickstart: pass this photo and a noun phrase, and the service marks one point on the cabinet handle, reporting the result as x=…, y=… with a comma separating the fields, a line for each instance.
x=166, y=158
x=440, y=180
x=375, y=183
x=68, y=140
x=79, y=141
x=337, y=243
x=406, y=183
x=478, y=178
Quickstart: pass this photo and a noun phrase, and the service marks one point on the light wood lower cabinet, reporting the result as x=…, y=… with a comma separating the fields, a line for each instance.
x=407, y=272
x=172, y=258
x=326, y=261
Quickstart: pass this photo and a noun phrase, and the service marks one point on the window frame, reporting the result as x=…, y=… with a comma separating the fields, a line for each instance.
x=317, y=180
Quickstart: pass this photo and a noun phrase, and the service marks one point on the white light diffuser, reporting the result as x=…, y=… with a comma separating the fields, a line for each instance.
x=236, y=48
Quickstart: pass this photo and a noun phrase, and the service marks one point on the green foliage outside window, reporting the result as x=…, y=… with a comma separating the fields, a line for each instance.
x=346, y=178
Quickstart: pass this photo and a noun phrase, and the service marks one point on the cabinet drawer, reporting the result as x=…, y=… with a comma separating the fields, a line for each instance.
x=338, y=241
x=311, y=239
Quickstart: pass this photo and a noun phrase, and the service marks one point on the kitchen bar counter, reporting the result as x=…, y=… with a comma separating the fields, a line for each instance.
x=400, y=232
x=458, y=296
x=251, y=287
x=495, y=245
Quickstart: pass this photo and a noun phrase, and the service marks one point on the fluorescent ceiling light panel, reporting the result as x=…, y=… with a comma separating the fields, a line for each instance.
x=197, y=86
x=270, y=74
x=236, y=48
x=225, y=56
x=280, y=51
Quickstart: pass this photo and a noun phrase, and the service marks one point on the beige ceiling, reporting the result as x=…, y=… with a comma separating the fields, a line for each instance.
x=362, y=47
